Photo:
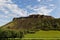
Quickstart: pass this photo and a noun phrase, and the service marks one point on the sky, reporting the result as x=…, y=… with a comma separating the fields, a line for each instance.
x=21, y=8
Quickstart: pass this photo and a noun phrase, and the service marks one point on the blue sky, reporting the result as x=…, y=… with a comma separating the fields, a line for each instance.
x=19, y=8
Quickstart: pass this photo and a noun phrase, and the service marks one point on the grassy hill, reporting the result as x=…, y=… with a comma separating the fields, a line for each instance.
x=34, y=22
x=44, y=34
x=33, y=26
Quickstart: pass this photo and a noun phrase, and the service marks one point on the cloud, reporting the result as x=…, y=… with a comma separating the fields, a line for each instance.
x=43, y=10
x=52, y=5
x=38, y=0
x=3, y=22
x=16, y=10
x=11, y=9
x=3, y=16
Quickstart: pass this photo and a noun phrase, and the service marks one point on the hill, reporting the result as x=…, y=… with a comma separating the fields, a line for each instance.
x=33, y=26
x=34, y=22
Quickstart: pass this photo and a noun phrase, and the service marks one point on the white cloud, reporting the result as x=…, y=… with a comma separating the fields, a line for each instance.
x=52, y=5
x=3, y=16
x=16, y=10
x=9, y=9
x=38, y=0
x=3, y=22
x=12, y=9
x=43, y=10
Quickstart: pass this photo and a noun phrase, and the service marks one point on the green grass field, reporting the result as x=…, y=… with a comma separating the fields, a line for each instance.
x=44, y=35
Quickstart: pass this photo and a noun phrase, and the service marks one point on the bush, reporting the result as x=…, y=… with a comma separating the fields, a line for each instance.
x=10, y=34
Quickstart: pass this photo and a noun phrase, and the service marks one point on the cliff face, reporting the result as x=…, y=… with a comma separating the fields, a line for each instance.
x=34, y=16
x=34, y=22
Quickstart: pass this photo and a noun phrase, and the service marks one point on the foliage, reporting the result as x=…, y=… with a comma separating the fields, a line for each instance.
x=10, y=34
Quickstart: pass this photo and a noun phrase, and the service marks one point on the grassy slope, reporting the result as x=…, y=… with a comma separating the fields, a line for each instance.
x=44, y=34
